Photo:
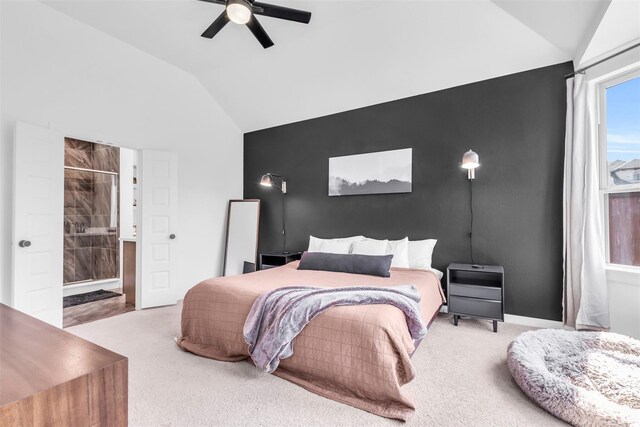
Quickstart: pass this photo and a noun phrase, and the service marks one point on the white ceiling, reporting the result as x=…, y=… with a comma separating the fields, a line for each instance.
x=620, y=26
x=556, y=20
x=352, y=54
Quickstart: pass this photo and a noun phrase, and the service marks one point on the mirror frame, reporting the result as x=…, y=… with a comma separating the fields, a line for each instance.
x=226, y=241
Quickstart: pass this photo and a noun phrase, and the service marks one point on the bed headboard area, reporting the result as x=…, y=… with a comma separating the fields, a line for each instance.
x=516, y=123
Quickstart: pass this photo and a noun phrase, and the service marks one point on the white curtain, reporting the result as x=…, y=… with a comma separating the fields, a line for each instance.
x=585, y=304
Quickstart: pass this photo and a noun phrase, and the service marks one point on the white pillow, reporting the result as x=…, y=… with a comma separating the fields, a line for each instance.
x=400, y=251
x=318, y=245
x=370, y=247
x=420, y=253
x=333, y=247
x=438, y=273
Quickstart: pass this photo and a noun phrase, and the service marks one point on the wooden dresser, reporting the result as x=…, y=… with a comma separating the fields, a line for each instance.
x=51, y=377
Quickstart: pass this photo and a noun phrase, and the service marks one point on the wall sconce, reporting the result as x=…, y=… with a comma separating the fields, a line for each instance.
x=269, y=180
x=470, y=161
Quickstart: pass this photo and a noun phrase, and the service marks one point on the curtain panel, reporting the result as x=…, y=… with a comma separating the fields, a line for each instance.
x=585, y=302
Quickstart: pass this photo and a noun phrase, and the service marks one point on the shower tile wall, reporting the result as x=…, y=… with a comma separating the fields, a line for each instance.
x=92, y=254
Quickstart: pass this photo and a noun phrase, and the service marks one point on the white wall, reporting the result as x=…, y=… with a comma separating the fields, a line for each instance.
x=127, y=160
x=60, y=73
x=624, y=301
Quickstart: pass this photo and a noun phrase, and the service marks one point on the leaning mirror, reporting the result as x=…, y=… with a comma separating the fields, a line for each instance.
x=241, y=249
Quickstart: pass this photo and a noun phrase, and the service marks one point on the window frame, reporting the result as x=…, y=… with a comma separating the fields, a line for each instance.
x=603, y=171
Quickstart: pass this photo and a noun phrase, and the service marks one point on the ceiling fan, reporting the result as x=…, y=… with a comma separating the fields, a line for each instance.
x=244, y=11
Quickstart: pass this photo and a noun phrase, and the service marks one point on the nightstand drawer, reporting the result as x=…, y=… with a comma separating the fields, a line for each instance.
x=474, y=291
x=475, y=307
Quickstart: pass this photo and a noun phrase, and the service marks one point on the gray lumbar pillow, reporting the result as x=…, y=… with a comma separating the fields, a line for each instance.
x=373, y=265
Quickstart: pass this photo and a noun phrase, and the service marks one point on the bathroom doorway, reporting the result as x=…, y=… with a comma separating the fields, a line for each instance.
x=38, y=283
x=100, y=221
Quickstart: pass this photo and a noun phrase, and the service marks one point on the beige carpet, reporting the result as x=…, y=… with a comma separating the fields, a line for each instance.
x=462, y=380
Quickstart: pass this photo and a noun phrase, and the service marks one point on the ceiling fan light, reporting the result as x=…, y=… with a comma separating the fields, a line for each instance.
x=239, y=11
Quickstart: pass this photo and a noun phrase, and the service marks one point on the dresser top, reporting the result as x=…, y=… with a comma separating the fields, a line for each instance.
x=35, y=356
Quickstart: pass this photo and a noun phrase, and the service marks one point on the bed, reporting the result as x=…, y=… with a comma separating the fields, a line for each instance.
x=357, y=355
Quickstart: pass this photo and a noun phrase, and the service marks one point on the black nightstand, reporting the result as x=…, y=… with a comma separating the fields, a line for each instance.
x=277, y=259
x=476, y=292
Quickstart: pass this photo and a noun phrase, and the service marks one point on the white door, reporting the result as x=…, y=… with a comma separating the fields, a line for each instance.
x=38, y=209
x=158, y=231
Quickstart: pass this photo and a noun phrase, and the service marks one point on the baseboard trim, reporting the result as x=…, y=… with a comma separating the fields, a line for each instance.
x=522, y=320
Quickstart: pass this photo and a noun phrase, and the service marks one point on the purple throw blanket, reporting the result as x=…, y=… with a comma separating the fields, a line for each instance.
x=278, y=316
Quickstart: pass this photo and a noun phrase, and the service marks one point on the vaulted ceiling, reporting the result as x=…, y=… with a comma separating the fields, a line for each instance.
x=352, y=54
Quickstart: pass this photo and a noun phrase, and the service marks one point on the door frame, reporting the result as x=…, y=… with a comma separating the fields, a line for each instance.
x=136, y=213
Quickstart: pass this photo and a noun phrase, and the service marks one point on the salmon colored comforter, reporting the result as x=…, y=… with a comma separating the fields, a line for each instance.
x=358, y=355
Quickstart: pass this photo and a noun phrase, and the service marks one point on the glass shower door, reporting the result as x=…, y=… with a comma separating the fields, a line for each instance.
x=91, y=247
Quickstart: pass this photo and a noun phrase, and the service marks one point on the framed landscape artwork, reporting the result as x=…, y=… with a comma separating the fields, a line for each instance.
x=383, y=172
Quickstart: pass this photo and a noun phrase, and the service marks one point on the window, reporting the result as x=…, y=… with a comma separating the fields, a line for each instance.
x=620, y=167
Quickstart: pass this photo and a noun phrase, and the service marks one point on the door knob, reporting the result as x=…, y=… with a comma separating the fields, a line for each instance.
x=24, y=243
x=172, y=236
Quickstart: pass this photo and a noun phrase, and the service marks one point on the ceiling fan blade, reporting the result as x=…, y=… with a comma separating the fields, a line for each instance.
x=222, y=2
x=259, y=32
x=217, y=25
x=287, y=13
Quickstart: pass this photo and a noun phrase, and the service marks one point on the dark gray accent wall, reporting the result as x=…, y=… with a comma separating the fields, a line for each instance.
x=515, y=123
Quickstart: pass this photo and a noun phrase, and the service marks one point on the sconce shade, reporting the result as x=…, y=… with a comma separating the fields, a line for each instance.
x=266, y=180
x=470, y=160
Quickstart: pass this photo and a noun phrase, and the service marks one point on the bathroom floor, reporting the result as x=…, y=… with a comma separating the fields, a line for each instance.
x=96, y=310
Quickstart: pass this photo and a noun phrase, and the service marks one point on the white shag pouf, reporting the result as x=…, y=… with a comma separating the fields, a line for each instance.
x=583, y=378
